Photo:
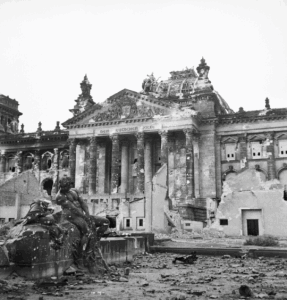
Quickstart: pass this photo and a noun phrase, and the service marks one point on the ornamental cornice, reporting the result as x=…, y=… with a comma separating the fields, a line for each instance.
x=252, y=119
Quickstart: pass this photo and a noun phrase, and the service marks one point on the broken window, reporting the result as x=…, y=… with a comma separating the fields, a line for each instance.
x=127, y=223
x=223, y=222
x=28, y=160
x=47, y=160
x=285, y=193
x=140, y=223
x=283, y=148
x=256, y=150
x=230, y=151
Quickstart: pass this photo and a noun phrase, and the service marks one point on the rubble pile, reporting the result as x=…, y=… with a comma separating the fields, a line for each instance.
x=157, y=276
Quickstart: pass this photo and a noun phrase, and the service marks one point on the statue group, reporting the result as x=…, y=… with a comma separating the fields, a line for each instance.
x=72, y=227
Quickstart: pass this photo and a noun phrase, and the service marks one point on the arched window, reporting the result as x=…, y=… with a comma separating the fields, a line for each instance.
x=28, y=161
x=46, y=160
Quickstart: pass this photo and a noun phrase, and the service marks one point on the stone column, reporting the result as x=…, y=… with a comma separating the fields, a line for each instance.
x=189, y=164
x=115, y=163
x=271, y=158
x=124, y=166
x=140, y=170
x=164, y=147
x=72, y=159
x=93, y=166
x=148, y=160
x=19, y=162
x=2, y=164
x=218, y=170
x=56, y=171
x=36, y=160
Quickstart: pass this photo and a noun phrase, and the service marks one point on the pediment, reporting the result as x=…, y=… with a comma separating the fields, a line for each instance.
x=229, y=140
x=123, y=106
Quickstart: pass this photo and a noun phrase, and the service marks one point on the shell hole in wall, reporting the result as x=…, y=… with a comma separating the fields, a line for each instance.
x=47, y=186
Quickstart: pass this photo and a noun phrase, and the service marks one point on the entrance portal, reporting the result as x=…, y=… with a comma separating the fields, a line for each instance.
x=252, y=227
x=252, y=222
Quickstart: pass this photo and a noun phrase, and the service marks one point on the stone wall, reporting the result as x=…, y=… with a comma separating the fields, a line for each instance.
x=207, y=164
x=247, y=196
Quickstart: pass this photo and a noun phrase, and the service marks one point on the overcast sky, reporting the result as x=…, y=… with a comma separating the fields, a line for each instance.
x=46, y=48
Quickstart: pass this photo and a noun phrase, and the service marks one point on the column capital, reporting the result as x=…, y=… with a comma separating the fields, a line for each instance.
x=270, y=135
x=114, y=137
x=163, y=133
x=72, y=142
x=139, y=135
x=92, y=140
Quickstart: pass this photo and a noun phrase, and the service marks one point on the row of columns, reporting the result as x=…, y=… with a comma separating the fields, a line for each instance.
x=144, y=162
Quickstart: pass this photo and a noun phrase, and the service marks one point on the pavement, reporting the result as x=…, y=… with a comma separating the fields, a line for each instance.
x=217, y=247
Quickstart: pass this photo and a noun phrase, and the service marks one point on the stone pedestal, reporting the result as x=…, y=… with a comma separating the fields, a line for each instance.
x=124, y=167
x=140, y=170
x=72, y=158
x=93, y=166
x=115, y=163
x=189, y=164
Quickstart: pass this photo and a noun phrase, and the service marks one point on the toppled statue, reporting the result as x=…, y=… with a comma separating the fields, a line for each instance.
x=92, y=228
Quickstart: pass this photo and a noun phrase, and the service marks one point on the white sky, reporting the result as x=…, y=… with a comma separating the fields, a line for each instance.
x=46, y=48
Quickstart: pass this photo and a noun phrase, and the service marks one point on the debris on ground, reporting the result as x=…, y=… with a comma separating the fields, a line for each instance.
x=188, y=259
x=155, y=276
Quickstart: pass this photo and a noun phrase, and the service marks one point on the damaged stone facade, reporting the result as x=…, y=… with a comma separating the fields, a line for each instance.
x=144, y=156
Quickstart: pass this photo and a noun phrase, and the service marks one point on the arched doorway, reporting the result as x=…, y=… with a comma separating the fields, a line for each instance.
x=48, y=185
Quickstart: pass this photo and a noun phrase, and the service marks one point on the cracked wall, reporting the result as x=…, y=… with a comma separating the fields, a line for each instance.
x=247, y=196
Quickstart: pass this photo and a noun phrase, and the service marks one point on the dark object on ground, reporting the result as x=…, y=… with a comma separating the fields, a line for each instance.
x=264, y=240
x=245, y=291
x=47, y=283
x=189, y=259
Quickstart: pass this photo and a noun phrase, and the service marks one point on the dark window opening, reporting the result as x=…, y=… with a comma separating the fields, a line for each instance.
x=254, y=154
x=11, y=219
x=140, y=222
x=223, y=222
x=48, y=185
x=128, y=223
x=285, y=194
x=227, y=155
x=252, y=227
x=282, y=152
x=187, y=224
x=2, y=220
x=49, y=163
x=12, y=169
x=258, y=153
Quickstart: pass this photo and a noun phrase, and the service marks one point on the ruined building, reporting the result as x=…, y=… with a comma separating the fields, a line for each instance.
x=174, y=146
